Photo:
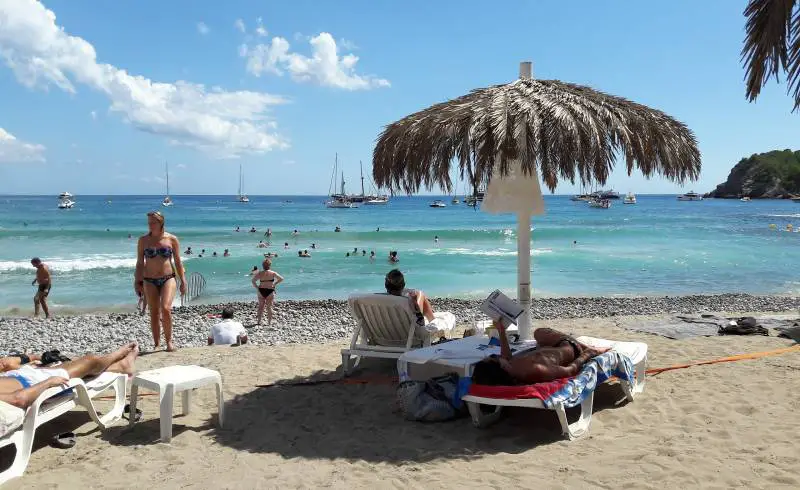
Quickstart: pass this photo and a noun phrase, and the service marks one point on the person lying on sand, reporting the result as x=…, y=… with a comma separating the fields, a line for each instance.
x=20, y=387
x=556, y=356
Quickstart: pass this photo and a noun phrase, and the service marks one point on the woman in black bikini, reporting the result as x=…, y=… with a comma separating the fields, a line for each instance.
x=265, y=282
x=155, y=276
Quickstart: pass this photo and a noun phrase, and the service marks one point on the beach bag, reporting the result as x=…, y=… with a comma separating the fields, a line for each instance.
x=746, y=325
x=434, y=400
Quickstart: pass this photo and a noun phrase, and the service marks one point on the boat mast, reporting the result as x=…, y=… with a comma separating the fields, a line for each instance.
x=240, y=180
x=362, y=177
x=166, y=169
x=342, y=183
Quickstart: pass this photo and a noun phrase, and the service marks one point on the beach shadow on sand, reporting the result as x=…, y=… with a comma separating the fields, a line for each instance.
x=363, y=422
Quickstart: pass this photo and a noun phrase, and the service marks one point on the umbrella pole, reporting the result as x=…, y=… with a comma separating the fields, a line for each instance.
x=524, y=273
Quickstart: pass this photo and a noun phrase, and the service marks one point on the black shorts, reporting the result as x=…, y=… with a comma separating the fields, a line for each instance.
x=44, y=290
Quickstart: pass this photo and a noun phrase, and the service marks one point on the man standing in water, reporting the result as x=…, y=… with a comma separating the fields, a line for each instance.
x=44, y=280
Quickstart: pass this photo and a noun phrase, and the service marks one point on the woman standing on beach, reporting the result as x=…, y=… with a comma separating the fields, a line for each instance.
x=155, y=276
x=265, y=282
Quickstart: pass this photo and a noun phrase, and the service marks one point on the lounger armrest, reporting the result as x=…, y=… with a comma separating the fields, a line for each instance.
x=54, y=391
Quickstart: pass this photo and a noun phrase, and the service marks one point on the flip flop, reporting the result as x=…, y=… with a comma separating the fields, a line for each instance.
x=127, y=413
x=65, y=440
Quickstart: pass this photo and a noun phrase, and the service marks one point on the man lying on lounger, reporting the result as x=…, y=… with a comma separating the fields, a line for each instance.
x=556, y=356
x=21, y=386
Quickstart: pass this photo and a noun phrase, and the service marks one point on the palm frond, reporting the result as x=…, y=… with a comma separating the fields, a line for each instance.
x=772, y=45
x=560, y=130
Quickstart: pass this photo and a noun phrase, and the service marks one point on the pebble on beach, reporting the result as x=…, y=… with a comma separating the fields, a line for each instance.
x=316, y=321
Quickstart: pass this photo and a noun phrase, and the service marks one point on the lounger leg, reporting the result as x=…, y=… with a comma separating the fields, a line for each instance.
x=581, y=426
x=23, y=446
x=482, y=420
x=346, y=364
x=641, y=376
x=220, y=403
x=186, y=400
x=132, y=404
x=166, y=396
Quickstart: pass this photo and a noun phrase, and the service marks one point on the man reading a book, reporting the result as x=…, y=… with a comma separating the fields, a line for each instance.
x=556, y=356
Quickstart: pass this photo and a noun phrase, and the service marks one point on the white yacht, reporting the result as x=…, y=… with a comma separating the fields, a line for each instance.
x=65, y=202
x=340, y=203
x=630, y=198
x=438, y=204
x=745, y=199
x=65, y=195
x=376, y=200
x=242, y=197
x=690, y=196
x=167, y=200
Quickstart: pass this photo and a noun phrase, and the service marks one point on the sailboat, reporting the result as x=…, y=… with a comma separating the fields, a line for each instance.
x=373, y=199
x=167, y=200
x=242, y=197
x=338, y=200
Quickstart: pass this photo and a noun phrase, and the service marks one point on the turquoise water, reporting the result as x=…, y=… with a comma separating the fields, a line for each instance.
x=658, y=246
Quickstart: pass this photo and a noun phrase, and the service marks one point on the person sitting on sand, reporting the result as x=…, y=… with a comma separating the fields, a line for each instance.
x=395, y=284
x=228, y=331
x=45, y=281
x=20, y=387
x=556, y=356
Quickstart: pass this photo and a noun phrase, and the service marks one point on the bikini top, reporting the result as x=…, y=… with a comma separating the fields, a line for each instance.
x=165, y=252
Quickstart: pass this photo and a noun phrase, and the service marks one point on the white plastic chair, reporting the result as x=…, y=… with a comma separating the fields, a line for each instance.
x=635, y=351
x=387, y=327
x=53, y=403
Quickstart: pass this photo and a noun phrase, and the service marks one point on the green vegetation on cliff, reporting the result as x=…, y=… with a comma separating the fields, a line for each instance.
x=775, y=174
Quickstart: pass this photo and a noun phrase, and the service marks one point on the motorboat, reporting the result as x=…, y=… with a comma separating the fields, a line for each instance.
x=690, y=196
x=376, y=200
x=745, y=199
x=438, y=204
x=600, y=203
x=796, y=199
x=242, y=196
x=65, y=203
x=630, y=198
x=455, y=200
x=167, y=200
x=65, y=195
x=340, y=204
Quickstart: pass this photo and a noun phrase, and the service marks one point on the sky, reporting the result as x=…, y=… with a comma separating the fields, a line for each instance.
x=96, y=100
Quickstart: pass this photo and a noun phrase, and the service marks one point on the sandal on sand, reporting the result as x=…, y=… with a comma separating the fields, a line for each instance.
x=126, y=412
x=65, y=440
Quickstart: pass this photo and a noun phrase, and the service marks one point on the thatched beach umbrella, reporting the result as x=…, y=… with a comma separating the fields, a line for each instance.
x=772, y=45
x=508, y=135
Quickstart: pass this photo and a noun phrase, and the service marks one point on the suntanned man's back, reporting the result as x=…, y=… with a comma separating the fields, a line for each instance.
x=44, y=279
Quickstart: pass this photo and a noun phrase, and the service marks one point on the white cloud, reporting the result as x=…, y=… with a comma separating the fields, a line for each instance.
x=226, y=124
x=260, y=30
x=13, y=150
x=239, y=25
x=93, y=114
x=202, y=28
x=347, y=44
x=323, y=67
x=288, y=162
x=180, y=165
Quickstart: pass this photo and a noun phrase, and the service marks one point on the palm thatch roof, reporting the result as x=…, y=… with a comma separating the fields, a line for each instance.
x=772, y=45
x=561, y=130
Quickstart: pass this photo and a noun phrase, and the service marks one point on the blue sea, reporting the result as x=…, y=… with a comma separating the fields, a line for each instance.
x=659, y=246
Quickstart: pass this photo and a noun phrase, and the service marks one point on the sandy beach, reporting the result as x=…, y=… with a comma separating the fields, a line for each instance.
x=716, y=426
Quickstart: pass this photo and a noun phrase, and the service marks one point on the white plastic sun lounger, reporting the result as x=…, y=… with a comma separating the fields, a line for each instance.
x=53, y=403
x=386, y=327
x=635, y=351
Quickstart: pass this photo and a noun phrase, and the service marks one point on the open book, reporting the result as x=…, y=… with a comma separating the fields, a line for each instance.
x=500, y=307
